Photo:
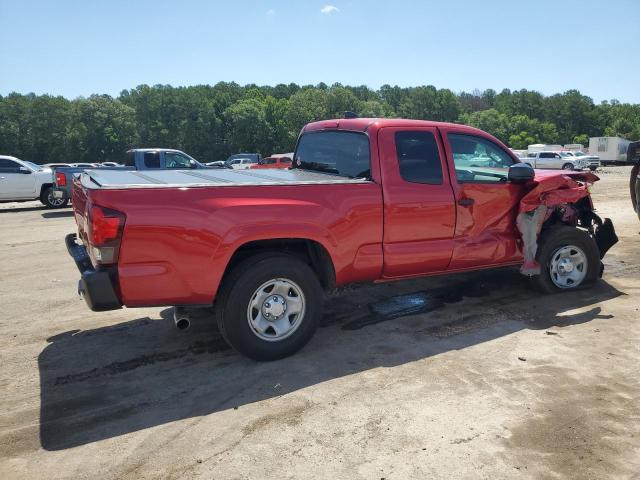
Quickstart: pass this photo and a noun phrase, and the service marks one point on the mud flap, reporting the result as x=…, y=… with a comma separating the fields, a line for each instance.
x=605, y=236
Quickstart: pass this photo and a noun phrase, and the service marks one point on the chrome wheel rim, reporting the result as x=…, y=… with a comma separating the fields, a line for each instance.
x=568, y=266
x=276, y=309
x=56, y=202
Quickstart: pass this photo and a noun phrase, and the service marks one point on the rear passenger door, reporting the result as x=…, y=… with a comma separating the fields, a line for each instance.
x=419, y=208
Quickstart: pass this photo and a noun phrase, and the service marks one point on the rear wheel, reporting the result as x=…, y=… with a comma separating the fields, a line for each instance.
x=569, y=259
x=50, y=201
x=567, y=166
x=269, y=306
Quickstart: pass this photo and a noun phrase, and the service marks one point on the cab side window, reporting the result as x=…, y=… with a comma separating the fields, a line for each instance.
x=175, y=160
x=478, y=160
x=152, y=159
x=9, y=166
x=418, y=159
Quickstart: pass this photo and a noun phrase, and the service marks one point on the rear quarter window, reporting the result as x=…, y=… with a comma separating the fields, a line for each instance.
x=340, y=153
x=418, y=157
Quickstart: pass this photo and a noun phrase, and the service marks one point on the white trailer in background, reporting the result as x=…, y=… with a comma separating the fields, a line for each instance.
x=609, y=149
x=574, y=147
x=541, y=147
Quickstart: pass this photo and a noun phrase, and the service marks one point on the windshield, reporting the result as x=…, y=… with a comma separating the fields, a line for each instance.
x=338, y=152
x=566, y=154
x=34, y=166
x=580, y=154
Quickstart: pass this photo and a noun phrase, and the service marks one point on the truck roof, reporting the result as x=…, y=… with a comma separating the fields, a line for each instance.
x=364, y=124
x=154, y=150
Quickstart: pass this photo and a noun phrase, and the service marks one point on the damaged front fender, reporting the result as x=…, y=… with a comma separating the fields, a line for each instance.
x=566, y=198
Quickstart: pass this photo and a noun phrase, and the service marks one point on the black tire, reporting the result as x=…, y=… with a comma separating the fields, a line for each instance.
x=550, y=241
x=567, y=166
x=237, y=292
x=49, y=201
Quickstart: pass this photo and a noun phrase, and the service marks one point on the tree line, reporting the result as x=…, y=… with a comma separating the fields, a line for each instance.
x=212, y=121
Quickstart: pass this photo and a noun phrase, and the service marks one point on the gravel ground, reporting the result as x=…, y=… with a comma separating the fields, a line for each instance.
x=485, y=380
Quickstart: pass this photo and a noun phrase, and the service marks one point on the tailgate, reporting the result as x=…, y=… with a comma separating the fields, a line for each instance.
x=79, y=203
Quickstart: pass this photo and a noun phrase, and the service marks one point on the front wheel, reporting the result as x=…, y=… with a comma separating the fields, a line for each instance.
x=569, y=258
x=269, y=306
x=49, y=200
x=567, y=166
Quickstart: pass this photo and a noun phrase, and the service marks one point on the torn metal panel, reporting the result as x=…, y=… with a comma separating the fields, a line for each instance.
x=529, y=224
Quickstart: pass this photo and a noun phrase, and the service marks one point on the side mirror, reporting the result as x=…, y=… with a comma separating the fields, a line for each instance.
x=24, y=170
x=521, y=173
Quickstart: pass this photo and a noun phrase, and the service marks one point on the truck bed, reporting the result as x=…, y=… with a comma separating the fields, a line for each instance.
x=114, y=179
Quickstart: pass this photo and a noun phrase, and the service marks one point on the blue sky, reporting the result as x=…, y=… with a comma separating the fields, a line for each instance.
x=75, y=47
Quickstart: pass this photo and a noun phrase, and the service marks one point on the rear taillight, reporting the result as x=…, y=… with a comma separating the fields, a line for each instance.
x=104, y=232
x=61, y=180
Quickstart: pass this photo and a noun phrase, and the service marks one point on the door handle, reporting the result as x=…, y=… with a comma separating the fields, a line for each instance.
x=466, y=202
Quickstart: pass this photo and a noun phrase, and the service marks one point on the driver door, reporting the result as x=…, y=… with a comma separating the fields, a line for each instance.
x=486, y=203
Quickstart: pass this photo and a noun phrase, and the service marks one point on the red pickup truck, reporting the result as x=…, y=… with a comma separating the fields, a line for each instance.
x=367, y=200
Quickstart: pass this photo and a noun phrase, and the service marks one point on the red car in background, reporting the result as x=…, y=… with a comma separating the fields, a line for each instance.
x=280, y=161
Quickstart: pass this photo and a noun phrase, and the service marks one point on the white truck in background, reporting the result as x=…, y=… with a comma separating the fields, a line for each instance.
x=555, y=161
x=21, y=181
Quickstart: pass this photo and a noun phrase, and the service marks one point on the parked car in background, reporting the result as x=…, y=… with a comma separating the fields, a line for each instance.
x=52, y=165
x=110, y=164
x=136, y=159
x=593, y=161
x=84, y=165
x=273, y=162
x=21, y=180
x=367, y=200
x=242, y=161
x=217, y=163
x=555, y=160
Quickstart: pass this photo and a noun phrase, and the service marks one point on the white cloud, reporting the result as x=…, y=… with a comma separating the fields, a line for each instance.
x=329, y=9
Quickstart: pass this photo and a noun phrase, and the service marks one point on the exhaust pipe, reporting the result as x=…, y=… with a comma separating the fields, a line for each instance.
x=181, y=318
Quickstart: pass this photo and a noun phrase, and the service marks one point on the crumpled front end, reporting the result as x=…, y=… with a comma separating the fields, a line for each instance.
x=560, y=198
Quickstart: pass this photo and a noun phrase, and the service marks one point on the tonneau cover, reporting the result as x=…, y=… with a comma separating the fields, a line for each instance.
x=114, y=179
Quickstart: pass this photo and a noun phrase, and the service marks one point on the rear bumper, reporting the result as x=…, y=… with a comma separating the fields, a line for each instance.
x=96, y=286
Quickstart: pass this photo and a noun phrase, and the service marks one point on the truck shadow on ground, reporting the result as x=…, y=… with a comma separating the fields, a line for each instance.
x=102, y=383
x=58, y=214
x=22, y=209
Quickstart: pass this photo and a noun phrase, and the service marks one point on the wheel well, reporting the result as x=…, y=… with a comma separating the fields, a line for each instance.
x=309, y=251
x=43, y=187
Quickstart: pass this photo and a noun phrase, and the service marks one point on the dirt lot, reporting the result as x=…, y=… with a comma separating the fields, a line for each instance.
x=472, y=376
